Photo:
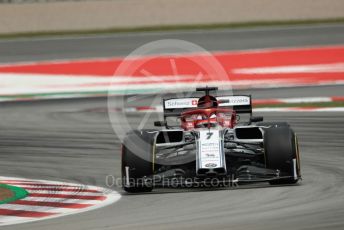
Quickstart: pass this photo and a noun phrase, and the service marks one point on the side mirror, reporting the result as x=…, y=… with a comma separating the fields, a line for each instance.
x=256, y=119
x=160, y=123
x=237, y=118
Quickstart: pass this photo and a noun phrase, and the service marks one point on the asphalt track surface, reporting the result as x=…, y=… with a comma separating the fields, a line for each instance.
x=108, y=45
x=72, y=140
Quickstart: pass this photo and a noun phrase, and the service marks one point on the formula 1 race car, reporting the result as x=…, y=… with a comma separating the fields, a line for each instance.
x=209, y=147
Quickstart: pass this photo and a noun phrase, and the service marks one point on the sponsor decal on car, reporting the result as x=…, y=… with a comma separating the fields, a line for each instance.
x=209, y=149
x=210, y=165
x=181, y=103
x=184, y=103
x=234, y=100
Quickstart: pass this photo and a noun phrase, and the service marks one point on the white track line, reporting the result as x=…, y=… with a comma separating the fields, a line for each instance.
x=291, y=109
x=61, y=200
x=35, y=208
x=159, y=109
x=76, y=192
x=28, y=186
x=9, y=219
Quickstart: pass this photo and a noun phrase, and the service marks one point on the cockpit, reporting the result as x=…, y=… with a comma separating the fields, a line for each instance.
x=208, y=118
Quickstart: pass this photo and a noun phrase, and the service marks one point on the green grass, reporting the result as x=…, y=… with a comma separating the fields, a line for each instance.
x=18, y=193
x=173, y=28
x=315, y=104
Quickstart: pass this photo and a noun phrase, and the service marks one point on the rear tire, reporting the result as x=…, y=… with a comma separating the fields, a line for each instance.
x=137, y=161
x=282, y=153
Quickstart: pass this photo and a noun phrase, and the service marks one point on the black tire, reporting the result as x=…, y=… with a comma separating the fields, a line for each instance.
x=281, y=151
x=273, y=124
x=137, y=160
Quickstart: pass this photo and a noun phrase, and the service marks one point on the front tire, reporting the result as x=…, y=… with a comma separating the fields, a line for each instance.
x=282, y=153
x=137, y=161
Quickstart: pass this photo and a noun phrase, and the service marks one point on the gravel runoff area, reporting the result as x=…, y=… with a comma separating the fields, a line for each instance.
x=104, y=14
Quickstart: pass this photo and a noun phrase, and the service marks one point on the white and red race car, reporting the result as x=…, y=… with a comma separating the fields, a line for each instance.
x=209, y=147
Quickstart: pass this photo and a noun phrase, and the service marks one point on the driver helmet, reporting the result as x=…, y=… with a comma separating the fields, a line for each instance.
x=207, y=101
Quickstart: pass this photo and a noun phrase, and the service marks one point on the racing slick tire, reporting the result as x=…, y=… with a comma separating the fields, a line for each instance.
x=137, y=161
x=282, y=153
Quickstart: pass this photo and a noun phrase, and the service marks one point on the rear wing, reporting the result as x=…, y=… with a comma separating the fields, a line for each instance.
x=173, y=107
